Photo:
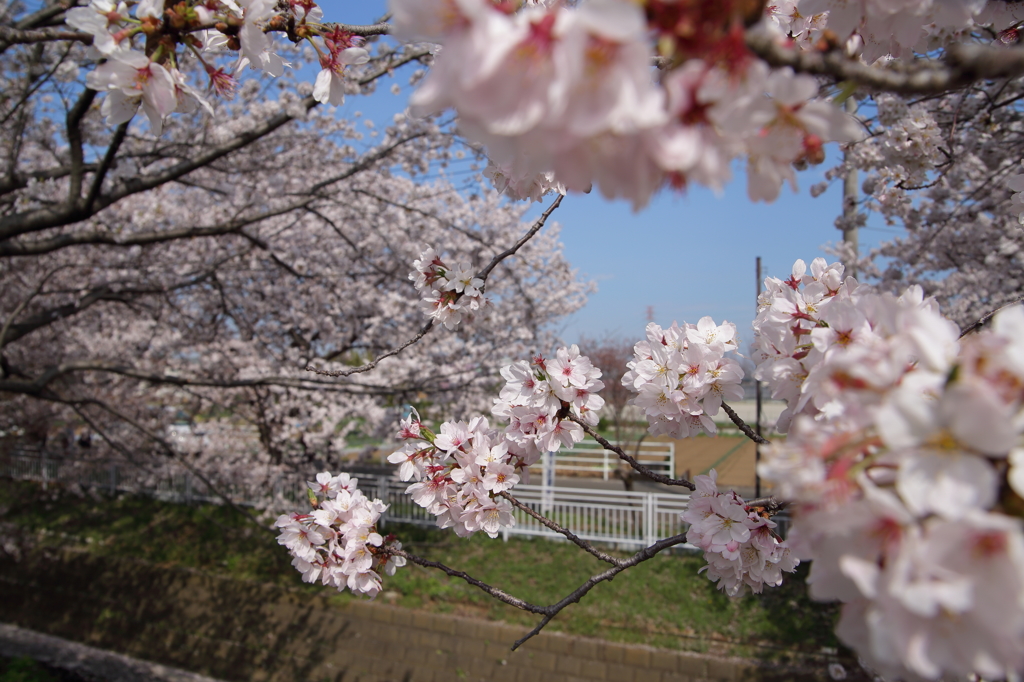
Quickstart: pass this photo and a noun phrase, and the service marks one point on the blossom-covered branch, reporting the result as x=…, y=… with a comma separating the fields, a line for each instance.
x=960, y=66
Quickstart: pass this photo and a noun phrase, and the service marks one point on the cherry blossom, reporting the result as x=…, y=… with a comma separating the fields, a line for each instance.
x=681, y=376
x=739, y=544
x=338, y=542
x=249, y=353
x=892, y=458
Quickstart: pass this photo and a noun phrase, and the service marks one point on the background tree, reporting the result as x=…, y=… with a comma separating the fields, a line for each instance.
x=194, y=277
x=610, y=354
x=940, y=170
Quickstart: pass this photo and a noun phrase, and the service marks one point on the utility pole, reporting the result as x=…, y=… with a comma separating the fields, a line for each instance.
x=849, y=203
x=757, y=396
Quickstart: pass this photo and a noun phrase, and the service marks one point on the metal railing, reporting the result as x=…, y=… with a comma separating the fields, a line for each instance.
x=623, y=519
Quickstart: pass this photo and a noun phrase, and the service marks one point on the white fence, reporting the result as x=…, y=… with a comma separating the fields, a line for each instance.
x=623, y=519
x=611, y=516
x=591, y=457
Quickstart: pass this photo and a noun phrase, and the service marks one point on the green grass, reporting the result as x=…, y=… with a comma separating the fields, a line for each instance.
x=24, y=669
x=662, y=602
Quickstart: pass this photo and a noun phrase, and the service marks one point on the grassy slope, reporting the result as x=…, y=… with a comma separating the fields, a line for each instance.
x=663, y=602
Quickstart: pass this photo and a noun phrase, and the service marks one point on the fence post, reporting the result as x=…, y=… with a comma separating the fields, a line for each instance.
x=547, y=482
x=43, y=470
x=113, y=479
x=648, y=525
x=188, y=489
x=382, y=495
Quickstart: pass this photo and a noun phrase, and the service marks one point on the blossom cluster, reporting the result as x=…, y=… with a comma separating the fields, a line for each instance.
x=459, y=473
x=152, y=78
x=739, y=543
x=452, y=291
x=909, y=145
x=681, y=376
x=905, y=466
x=338, y=541
x=570, y=91
x=462, y=471
x=792, y=330
x=537, y=396
x=887, y=29
x=532, y=186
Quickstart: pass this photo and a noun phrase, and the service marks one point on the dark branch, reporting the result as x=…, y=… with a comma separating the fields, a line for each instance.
x=14, y=36
x=581, y=591
x=39, y=386
x=970, y=329
x=658, y=478
x=550, y=611
x=370, y=365
x=525, y=238
x=743, y=426
x=960, y=66
x=483, y=274
x=500, y=595
x=548, y=523
x=770, y=504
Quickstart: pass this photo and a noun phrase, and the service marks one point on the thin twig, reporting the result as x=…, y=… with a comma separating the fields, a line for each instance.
x=988, y=316
x=500, y=595
x=370, y=365
x=581, y=591
x=744, y=427
x=659, y=478
x=483, y=274
x=525, y=238
x=550, y=611
x=572, y=537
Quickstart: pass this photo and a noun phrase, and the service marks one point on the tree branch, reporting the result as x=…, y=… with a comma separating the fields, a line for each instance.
x=500, y=595
x=743, y=426
x=581, y=591
x=74, y=133
x=15, y=36
x=770, y=504
x=971, y=328
x=483, y=274
x=38, y=386
x=550, y=611
x=41, y=219
x=104, y=167
x=659, y=478
x=960, y=66
x=575, y=539
x=525, y=238
x=370, y=365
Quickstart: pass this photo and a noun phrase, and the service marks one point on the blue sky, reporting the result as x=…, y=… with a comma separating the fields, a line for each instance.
x=685, y=255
